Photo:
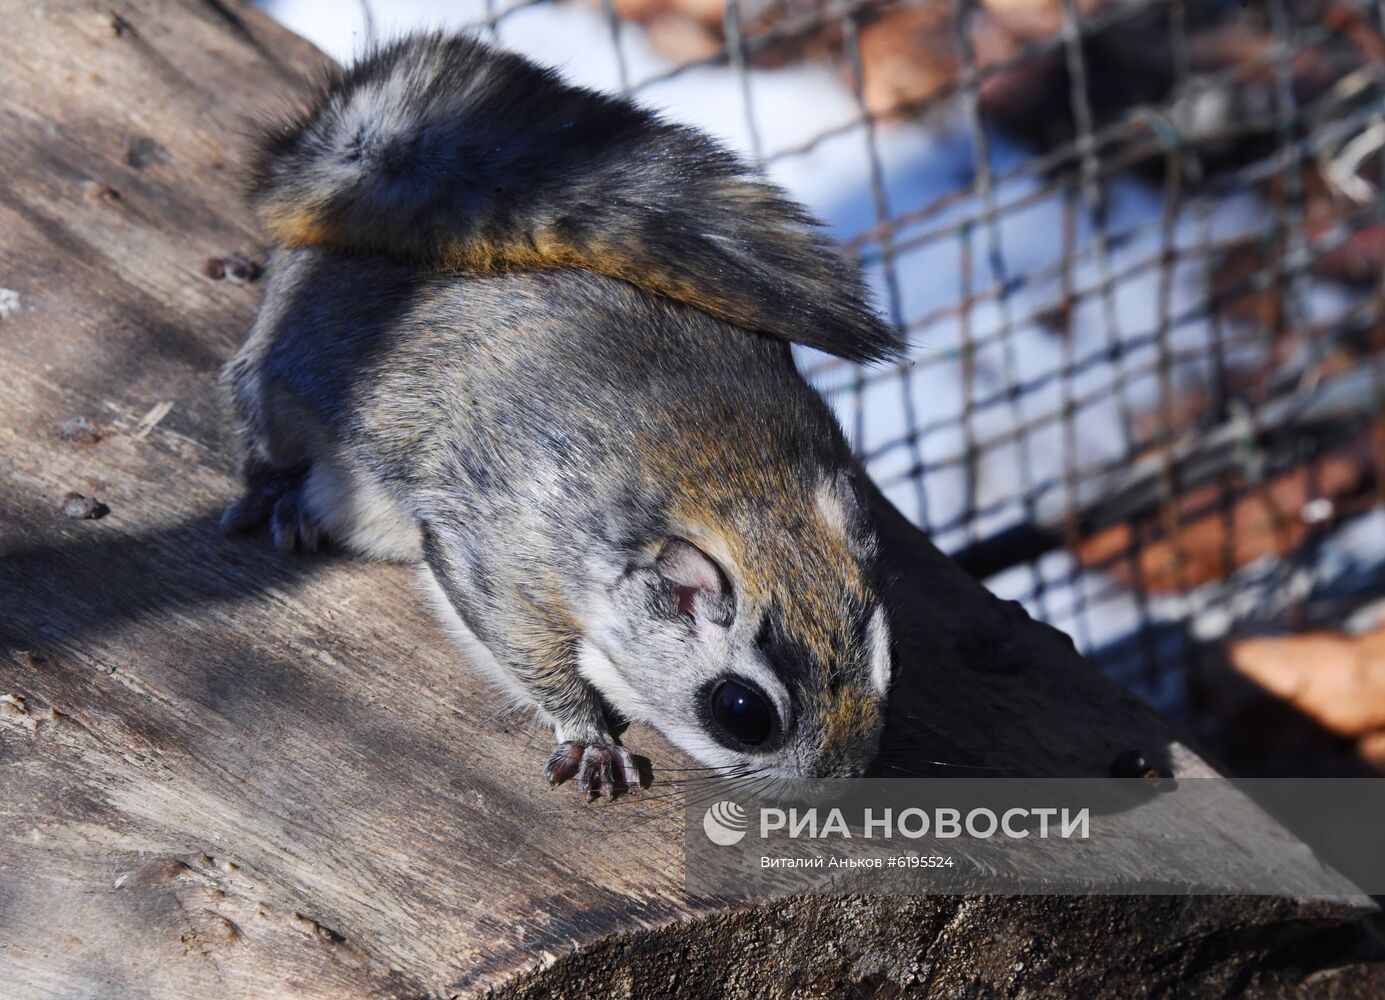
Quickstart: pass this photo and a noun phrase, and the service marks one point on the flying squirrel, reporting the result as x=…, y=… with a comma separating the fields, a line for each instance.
x=537, y=340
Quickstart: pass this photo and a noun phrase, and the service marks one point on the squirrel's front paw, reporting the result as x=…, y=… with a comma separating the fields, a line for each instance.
x=605, y=769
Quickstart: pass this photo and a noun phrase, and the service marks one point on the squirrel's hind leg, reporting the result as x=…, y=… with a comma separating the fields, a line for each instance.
x=274, y=496
x=309, y=503
x=280, y=434
x=354, y=508
x=304, y=483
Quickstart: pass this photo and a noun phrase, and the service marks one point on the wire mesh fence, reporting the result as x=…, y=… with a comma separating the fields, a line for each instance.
x=1138, y=248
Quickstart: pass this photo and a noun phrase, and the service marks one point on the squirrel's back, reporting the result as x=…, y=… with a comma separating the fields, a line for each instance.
x=445, y=152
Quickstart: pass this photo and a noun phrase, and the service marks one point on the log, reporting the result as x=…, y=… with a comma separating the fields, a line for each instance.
x=227, y=772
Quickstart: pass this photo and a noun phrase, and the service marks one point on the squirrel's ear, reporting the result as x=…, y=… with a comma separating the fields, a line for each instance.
x=699, y=585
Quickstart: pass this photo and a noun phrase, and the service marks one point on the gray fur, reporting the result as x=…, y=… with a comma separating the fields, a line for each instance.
x=541, y=442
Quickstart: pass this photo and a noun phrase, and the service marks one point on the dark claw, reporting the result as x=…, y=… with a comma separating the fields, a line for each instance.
x=586, y=776
x=246, y=514
x=639, y=772
x=608, y=777
x=283, y=525
x=563, y=762
x=633, y=771
x=308, y=533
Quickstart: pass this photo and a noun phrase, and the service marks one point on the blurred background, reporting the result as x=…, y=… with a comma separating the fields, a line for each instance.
x=1138, y=249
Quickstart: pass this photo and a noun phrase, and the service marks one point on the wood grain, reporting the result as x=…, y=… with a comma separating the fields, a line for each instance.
x=225, y=772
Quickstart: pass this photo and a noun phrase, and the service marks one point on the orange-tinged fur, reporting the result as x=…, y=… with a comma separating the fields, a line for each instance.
x=793, y=558
x=844, y=716
x=308, y=225
x=297, y=225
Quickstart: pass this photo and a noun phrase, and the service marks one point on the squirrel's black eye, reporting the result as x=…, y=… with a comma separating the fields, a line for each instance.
x=742, y=712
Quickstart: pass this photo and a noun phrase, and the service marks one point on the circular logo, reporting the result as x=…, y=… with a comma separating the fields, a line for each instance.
x=724, y=823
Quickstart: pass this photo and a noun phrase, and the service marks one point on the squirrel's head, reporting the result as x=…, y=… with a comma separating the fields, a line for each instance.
x=761, y=647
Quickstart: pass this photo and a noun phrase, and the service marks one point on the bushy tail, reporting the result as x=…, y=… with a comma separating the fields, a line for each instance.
x=446, y=151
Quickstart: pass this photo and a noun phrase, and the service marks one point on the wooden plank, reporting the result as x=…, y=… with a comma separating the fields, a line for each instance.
x=230, y=773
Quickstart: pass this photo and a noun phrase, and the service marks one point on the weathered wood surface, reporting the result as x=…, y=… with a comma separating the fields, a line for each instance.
x=229, y=773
